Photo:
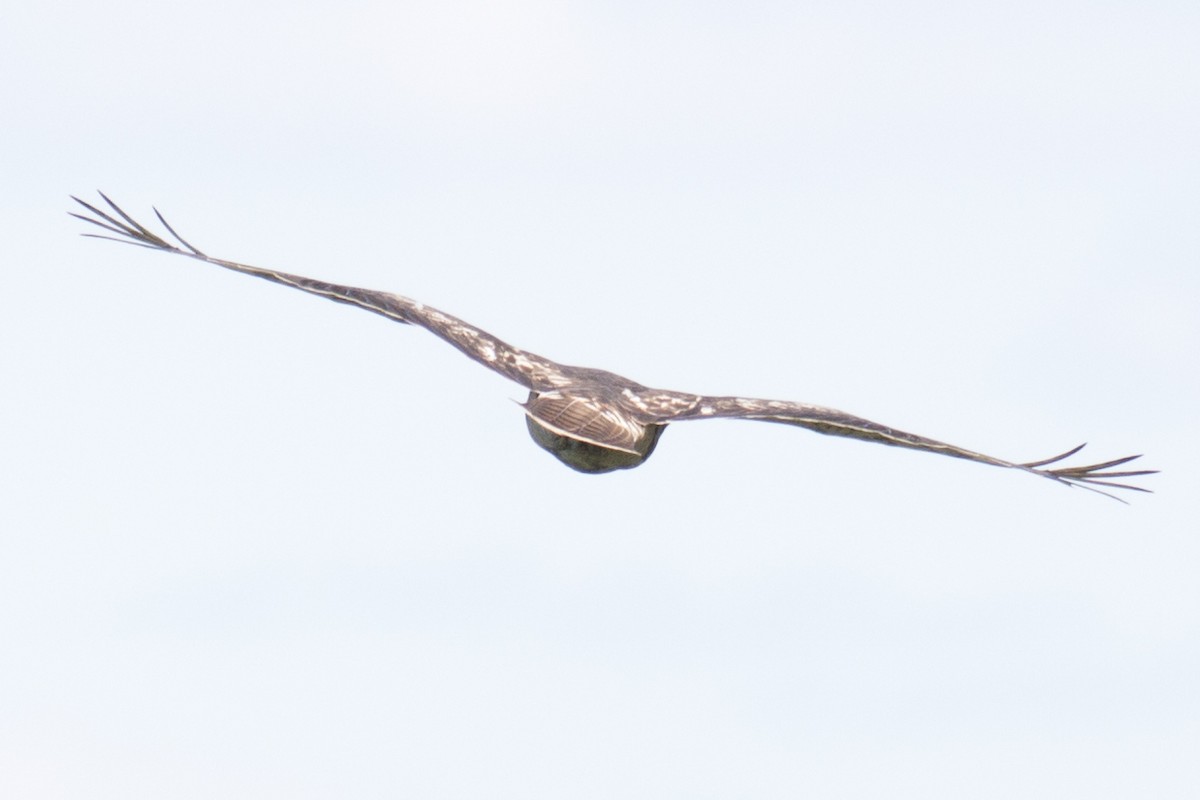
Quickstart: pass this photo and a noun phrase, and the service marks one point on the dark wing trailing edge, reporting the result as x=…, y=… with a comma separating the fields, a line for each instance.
x=528, y=369
x=838, y=423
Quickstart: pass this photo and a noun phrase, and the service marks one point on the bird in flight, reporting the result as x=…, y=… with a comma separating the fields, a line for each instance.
x=592, y=420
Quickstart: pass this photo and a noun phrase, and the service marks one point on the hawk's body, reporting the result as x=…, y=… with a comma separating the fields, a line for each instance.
x=590, y=419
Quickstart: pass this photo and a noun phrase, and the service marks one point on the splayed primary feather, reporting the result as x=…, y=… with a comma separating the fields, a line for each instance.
x=590, y=419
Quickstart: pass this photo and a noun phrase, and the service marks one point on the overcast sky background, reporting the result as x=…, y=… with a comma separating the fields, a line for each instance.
x=255, y=544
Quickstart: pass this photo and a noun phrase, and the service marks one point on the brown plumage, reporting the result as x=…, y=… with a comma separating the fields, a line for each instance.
x=590, y=419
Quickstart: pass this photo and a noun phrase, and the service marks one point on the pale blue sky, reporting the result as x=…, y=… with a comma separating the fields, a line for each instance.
x=259, y=545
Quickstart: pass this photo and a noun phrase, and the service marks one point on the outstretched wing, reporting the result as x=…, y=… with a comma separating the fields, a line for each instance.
x=666, y=407
x=528, y=369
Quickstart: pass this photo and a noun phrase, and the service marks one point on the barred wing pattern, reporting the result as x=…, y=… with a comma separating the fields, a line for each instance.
x=592, y=420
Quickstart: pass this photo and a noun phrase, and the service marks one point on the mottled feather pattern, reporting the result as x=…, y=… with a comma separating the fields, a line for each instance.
x=590, y=419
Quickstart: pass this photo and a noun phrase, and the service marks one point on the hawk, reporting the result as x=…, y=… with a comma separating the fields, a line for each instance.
x=590, y=419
